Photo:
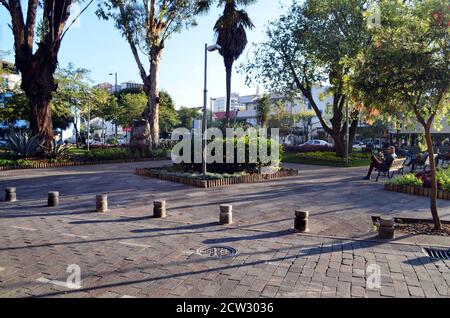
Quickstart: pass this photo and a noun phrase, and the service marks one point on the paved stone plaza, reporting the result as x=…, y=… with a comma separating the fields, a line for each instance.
x=126, y=253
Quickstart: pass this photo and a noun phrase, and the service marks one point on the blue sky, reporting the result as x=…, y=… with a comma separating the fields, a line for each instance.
x=98, y=46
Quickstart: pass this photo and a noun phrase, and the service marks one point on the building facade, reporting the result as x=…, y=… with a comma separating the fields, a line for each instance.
x=245, y=108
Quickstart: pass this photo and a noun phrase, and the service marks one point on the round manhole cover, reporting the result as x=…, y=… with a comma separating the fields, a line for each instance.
x=216, y=251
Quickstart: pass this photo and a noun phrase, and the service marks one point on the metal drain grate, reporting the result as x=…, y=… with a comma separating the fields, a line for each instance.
x=216, y=251
x=437, y=253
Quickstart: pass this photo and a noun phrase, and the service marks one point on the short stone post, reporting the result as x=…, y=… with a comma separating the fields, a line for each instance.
x=301, y=221
x=386, y=230
x=53, y=198
x=101, y=203
x=10, y=194
x=159, y=209
x=226, y=214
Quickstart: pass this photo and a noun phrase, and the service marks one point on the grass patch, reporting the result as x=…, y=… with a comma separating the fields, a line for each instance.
x=194, y=175
x=326, y=159
x=74, y=151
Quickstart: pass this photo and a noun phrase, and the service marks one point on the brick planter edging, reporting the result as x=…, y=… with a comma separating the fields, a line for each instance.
x=415, y=190
x=72, y=163
x=217, y=182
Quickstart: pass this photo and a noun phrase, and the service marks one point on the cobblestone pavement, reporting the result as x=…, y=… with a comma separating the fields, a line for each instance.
x=125, y=253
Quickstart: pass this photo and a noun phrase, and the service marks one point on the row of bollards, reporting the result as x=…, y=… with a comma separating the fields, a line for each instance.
x=301, y=222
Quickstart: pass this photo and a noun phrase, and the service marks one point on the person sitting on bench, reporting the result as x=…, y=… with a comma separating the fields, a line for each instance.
x=381, y=165
x=419, y=160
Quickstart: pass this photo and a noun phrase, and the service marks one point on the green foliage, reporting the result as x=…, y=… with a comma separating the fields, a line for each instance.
x=327, y=159
x=263, y=109
x=14, y=107
x=131, y=106
x=57, y=151
x=187, y=115
x=119, y=153
x=168, y=117
x=75, y=97
x=25, y=145
x=443, y=179
x=406, y=66
x=408, y=179
x=177, y=172
x=245, y=166
x=306, y=47
x=281, y=118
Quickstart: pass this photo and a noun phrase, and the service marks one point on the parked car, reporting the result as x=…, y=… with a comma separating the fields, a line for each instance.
x=358, y=145
x=71, y=140
x=316, y=142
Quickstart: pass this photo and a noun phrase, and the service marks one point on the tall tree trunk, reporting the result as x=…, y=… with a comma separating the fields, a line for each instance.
x=41, y=116
x=38, y=84
x=433, y=194
x=153, y=95
x=228, y=69
x=339, y=144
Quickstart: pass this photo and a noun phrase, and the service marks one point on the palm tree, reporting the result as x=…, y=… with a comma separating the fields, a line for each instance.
x=230, y=34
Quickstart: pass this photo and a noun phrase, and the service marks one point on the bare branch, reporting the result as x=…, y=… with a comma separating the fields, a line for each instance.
x=5, y=4
x=76, y=18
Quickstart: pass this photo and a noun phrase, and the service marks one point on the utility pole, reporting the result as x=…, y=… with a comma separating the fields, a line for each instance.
x=347, y=133
x=89, y=123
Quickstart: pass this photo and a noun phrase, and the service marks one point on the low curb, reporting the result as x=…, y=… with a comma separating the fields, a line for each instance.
x=415, y=190
x=283, y=173
x=43, y=165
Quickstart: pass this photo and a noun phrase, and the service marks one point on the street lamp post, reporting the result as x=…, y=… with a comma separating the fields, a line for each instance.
x=115, y=91
x=211, y=48
x=347, y=133
x=211, y=109
x=89, y=123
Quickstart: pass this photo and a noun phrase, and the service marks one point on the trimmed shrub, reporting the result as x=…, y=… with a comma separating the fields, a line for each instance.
x=232, y=168
x=408, y=179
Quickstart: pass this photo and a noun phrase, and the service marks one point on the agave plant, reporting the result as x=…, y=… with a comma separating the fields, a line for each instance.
x=57, y=151
x=24, y=144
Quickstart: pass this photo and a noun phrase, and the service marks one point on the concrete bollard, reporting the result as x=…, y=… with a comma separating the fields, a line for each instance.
x=301, y=221
x=226, y=214
x=10, y=194
x=387, y=228
x=101, y=203
x=53, y=198
x=159, y=209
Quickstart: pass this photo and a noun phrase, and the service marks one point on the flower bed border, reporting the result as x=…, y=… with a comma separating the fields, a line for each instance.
x=42, y=165
x=416, y=190
x=218, y=182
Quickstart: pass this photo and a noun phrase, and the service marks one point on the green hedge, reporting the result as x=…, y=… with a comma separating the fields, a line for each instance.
x=408, y=179
x=422, y=179
x=120, y=154
x=327, y=159
x=232, y=168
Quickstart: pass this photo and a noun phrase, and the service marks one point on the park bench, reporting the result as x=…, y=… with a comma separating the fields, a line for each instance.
x=397, y=166
x=444, y=160
x=423, y=165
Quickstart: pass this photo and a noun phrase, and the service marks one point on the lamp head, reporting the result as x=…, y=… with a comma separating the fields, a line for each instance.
x=214, y=47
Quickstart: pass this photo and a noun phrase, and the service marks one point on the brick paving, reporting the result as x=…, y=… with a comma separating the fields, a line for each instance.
x=124, y=253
